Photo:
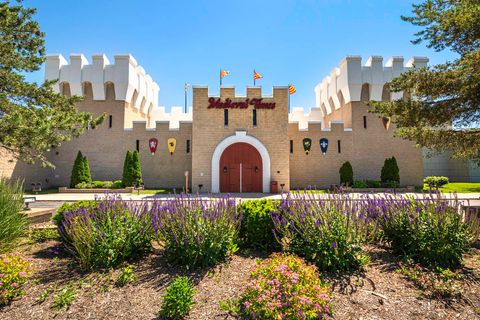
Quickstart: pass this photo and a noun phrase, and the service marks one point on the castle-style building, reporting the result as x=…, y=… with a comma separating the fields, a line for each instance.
x=228, y=142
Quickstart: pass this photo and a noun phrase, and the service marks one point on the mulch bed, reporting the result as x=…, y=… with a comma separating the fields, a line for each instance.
x=377, y=292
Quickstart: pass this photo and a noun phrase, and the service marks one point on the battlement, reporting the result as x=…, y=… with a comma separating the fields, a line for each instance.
x=251, y=91
x=314, y=116
x=130, y=81
x=352, y=81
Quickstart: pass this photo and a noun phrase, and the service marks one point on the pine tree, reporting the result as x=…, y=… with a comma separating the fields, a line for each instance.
x=346, y=174
x=136, y=169
x=126, y=176
x=441, y=109
x=33, y=117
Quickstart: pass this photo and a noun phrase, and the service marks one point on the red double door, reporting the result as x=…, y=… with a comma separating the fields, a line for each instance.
x=240, y=169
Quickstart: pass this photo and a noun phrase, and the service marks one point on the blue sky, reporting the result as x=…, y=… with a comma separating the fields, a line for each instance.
x=178, y=41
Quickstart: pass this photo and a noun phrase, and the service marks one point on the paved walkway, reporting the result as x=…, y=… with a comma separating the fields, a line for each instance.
x=129, y=196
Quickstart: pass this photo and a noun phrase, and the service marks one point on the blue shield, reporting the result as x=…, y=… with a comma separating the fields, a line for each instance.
x=324, y=145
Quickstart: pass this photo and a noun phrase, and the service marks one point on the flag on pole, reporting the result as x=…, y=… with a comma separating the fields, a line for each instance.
x=291, y=89
x=256, y=75
x=224, y=73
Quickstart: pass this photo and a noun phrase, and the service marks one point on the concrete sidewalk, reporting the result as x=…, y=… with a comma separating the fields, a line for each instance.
x=67, y=197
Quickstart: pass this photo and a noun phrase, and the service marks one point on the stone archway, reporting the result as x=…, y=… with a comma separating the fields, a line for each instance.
x=241, y=137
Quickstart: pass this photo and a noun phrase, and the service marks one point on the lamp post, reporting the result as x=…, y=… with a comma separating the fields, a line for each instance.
x=186, y=90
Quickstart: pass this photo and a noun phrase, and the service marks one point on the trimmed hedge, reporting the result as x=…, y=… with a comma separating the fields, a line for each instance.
x=390, y=174
x=80, y=171
x=346, y=174
x=257, y=225
x=436, y=181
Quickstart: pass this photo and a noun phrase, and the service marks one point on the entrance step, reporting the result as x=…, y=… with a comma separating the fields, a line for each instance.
x=39, y=215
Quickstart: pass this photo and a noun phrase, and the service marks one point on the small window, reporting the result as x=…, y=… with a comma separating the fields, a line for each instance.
x=254, y=117
x=110, y=121
x=138, y=145
x=188, y=146
x=339, y=145
x=365, y=122
x=225, y=117
x=291, y=146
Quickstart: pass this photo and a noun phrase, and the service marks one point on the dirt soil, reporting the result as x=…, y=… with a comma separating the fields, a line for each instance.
x=378, y=292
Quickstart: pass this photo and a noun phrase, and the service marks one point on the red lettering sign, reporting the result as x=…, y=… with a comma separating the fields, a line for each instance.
x=258, y=103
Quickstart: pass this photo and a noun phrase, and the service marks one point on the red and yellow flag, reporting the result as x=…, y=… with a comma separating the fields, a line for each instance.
x=291, y=89
x=256, y=75
x=224, y=73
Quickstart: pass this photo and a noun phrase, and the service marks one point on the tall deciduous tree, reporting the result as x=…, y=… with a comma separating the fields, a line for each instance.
x=442, y=108
x=33, y=118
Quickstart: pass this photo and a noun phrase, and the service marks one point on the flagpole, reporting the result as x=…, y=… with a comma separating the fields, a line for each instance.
x=289, y=98
x=254, y=77
x=220, y=74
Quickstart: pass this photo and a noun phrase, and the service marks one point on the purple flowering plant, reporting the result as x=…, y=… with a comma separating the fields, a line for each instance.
x=432, y=230
x=325, y=231
x=195, y=231
x=106, y=232
x=14, y=272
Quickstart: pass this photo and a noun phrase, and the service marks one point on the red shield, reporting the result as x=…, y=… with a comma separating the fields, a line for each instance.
x=152, y=144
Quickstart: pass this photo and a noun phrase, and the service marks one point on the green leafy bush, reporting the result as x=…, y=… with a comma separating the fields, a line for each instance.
x=346, y=174
x=285, y=287
x=13, y=224
x=84, y=185
x=117, y=184
x=430, y=231
x=178, y=299
x=390, y=172
x=80, y=171
x=14, y=272
x=436, y=181
x=107, y=233
x=197, y=232
x=256, y=229
x=373, y=184
x=359, y=184
x=326, y=232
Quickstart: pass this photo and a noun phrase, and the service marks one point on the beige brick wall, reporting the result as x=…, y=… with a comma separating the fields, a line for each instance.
x=366, y=149
x=209, y=131
x=105, y=147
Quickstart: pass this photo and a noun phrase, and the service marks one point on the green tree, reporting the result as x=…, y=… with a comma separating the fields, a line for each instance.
x=126, y=176
x=136, y=169
x=390, y=171
x=80, y=171
x=33, y=118
x=85, y=173
x=346, y=174
x=441, y=109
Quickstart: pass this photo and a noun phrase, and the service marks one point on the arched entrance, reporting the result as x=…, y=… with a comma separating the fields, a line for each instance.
x=240, y=169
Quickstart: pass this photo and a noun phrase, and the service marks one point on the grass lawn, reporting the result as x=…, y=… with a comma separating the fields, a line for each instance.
x=157, y=191
x=309, y=191
x=459, y=187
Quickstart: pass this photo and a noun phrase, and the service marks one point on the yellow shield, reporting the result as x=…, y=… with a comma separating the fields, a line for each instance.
x=172, y=143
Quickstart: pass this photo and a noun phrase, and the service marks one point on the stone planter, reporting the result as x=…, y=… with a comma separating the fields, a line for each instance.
x=100, y=190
